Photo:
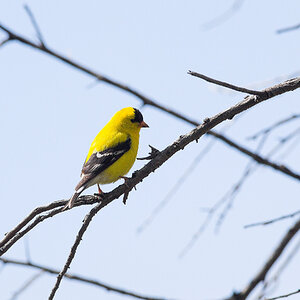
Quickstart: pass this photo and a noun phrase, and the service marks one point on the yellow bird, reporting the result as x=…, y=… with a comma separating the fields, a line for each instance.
x=113, y=151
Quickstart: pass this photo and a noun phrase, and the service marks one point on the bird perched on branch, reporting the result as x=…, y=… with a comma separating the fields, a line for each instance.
x=112, y=152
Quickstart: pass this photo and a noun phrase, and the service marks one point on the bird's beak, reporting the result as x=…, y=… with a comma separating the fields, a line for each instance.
x=143, y=124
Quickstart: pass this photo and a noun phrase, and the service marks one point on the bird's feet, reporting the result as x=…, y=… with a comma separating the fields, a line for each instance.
x=125, y=180
x=100, y=194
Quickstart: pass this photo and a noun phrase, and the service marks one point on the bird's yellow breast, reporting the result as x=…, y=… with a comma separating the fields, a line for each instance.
x=121, y=167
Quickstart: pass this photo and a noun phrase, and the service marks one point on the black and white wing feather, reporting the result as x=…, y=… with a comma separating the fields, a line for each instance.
x=97, y=163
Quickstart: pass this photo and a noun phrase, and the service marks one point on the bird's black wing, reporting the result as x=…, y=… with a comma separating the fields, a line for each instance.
x=99, y=161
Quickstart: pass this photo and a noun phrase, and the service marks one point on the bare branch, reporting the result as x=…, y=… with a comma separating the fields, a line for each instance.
x=225, y=84
x=88, y=218
x=284, y=296
x=274, y=279
x=286, y=29
x=55, y=208
x=290, y=135
x=231, y=195
x=153, y=152
x=161, y=157
x=289, y=216
x=211, y=211
x=260, y=276
x=77, y=278
x=8, y=39
x=35, y=25
x=34, y=213
x=260, y=159
x=291, y=148
x=145, y=100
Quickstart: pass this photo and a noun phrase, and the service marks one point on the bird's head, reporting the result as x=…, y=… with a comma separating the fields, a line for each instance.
x=129, y=120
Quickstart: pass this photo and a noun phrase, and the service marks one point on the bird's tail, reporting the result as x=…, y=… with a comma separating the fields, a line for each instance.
x=71, y=202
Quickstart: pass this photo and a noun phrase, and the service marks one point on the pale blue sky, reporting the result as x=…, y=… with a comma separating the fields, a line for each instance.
x=49, y=115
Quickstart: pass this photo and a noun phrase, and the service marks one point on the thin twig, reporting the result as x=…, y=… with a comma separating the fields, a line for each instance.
x=33, y=214
x=274, y=279
x=284, y=296
x=237, y=187
x=289, y=216
x=210, y=213
x=225, y=84
x=35, y=25
x=153, y=152
x=262, y=160
x=54, y=207
x=249, y=170
x=77, y=278
x=260, y=276
x=290, y=135
x=88, y=218
x=259, y=85
x=273, y=126
x=145, y=100
x=286, y=29
x=5, y=41
x=291, y=148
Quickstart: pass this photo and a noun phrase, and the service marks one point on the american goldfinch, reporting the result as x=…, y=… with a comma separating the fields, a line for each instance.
x=112, y=152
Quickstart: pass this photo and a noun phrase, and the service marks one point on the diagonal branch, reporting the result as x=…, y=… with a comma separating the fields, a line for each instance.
x=284, y=217
x=286, y=29
x=8, y=39
x=225, y=84
x=260, y=276
x=54, y=208
x=284, y=296
x=35, y=25
x=273, y=281
x=145, y=100
x=88, y=218
x=166, y=154
x=259, y=159
x=77, y=278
